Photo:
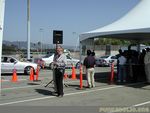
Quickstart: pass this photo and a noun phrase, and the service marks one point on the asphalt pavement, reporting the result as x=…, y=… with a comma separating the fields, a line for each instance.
x=34, y=93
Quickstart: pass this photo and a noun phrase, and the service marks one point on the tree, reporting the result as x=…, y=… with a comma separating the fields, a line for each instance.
x=104, y=41
x=8, y=49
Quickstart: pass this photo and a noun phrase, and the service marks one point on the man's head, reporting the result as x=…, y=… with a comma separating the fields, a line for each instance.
x=147, y=49
x=129, y=47
x=59, y=49
x=88, y=52
x=120, y=51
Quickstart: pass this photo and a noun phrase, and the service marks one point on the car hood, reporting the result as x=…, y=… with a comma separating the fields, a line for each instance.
x=48, y=58
x=28, y=63
x=76, y=60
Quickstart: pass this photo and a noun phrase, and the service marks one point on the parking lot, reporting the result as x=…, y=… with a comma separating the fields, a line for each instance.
x=34, y=93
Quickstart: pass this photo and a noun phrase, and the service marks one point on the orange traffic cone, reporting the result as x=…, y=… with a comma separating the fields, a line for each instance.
x=37, y=74
x=14, y=76
x=65, y=76
x=112, y=74
x=81, y=77
x=31, y=75
x=73, y=73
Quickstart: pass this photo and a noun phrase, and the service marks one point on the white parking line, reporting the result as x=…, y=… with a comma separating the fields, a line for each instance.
x=29, y=100
x=48, y=97
x=81, y=92
x=141, y=104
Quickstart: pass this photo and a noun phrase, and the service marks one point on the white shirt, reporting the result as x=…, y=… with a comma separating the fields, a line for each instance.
x=60, y=60
x=122, y=60
x=147, y=58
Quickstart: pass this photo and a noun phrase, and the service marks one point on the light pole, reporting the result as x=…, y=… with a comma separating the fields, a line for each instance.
x=77, y=43
x=28, y=29
x=41, y=35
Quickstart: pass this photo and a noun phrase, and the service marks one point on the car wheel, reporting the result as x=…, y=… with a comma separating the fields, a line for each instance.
x=51, y=66
x=27, y=70
x=78, y=65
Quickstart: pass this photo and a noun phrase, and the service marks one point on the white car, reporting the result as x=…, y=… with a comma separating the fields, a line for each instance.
x=106, y=60
x=48, y=59
x=8, y=64
x=72, y=61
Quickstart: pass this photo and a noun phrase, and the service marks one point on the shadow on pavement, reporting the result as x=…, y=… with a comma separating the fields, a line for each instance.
x=44, y=92
x=33, y=83
x=104, y=77
x=10, y=74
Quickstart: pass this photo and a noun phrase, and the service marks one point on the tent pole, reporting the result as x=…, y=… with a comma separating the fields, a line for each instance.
x=80, y=46
x=138, y=47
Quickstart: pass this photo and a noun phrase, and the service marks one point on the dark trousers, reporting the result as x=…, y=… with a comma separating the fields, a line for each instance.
x=136, y=73
x=59, y=73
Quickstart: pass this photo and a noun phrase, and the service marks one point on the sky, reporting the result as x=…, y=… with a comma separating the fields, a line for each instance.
x=72, y=16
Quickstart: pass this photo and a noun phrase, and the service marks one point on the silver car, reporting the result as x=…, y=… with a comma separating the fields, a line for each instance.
x=47, y=61
x=9, y=63
x=106, y=60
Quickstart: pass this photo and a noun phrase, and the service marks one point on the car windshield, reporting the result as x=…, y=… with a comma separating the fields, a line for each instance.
x=8, y=59
x=113, y=57
x=48, y=55
x=104, y=56
x=68, y=57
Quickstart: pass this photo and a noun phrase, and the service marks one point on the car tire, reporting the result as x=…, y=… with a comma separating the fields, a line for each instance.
x=50, y=66
x=27, y=70
x=78, y=65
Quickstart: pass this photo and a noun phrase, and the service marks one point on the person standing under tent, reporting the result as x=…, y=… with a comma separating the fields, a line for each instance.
x=122, y=68
x=147, y=64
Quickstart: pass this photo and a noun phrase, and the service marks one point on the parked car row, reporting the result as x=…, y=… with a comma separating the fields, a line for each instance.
x=9, y=63
x=102, y=61
x=47, y=61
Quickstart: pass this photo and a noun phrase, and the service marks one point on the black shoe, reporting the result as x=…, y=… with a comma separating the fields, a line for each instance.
x=60, y=96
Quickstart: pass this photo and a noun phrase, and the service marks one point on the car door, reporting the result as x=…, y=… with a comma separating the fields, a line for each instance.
x=20, y=66
x=10, y=65
x=17, y=65
x=4, y=67
x=7, y=66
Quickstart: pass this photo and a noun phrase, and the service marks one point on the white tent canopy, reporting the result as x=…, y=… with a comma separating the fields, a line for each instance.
x=135, y=25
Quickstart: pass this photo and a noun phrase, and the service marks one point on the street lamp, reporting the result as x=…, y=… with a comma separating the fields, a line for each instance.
x=41, y=35
x=77, y=43
x=28, y=29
